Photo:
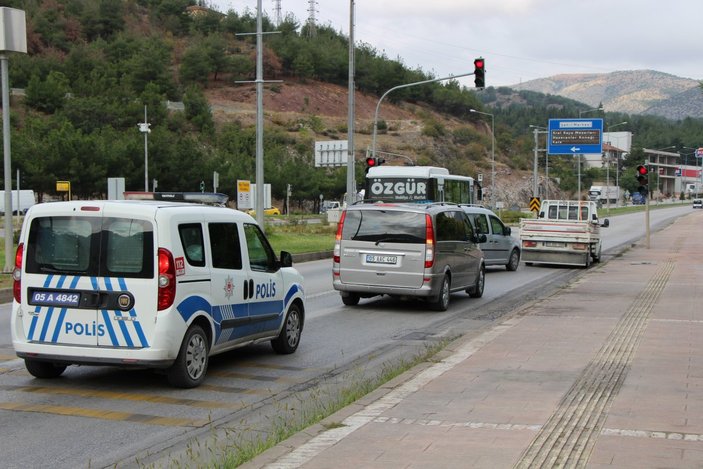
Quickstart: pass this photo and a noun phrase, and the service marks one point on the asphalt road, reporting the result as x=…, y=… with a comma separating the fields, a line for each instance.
x=106, y=416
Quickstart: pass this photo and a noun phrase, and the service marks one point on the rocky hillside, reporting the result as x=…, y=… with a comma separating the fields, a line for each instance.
x=631, y=92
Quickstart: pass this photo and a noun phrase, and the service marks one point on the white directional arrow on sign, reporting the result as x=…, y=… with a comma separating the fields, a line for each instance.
x=574, y=149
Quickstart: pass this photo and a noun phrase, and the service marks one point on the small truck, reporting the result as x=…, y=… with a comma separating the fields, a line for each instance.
x=565, y=232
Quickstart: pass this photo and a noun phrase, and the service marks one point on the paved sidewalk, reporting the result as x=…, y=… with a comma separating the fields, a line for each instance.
x=605, y=373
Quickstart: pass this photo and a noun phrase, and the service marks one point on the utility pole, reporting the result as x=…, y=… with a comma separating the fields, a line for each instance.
x=351, y=183
x=312, y=22
x=277, y=12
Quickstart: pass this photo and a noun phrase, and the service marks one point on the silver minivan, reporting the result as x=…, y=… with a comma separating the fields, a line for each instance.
x=500, y=247
x=425, y=251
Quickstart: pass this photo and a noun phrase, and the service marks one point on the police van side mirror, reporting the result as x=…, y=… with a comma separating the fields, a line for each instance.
x=480, y=238
x=286, y=259
x=606, y=223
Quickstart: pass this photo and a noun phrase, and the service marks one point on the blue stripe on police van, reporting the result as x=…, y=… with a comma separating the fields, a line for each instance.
x=50, y=313
x=295, y=288
x=106, y=316
x=133, y=313
x=62, y=314
x=37, y=310
x=123, y=328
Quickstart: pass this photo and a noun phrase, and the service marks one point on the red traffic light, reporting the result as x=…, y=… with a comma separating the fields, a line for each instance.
x=642, y=170
x=480, y=72
x=371, y=162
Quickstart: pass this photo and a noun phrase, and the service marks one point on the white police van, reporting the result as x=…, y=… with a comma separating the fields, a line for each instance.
x=148, y=283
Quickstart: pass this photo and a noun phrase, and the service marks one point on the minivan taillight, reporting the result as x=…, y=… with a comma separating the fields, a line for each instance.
x=429, y=242
x=167, y=279
x=17, y=274
x=338, y=239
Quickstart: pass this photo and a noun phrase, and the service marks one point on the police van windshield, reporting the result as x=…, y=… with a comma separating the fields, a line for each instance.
x=96, y=247
x=384, y=226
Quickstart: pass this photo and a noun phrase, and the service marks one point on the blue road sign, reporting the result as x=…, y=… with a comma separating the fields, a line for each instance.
x=575, y=136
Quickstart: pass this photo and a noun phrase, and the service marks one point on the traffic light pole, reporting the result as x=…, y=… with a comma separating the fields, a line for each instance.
x=407, y=85
x=646, y=216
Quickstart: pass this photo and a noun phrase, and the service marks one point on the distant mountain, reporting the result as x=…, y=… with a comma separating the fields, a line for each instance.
x=631, y=92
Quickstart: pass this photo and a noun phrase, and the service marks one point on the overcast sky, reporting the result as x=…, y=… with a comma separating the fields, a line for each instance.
x=520, y=39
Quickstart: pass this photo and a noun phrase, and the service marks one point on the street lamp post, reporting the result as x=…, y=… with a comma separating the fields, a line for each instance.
x=493, y=154
x=144, y=128
x=607, y=172
x=407, y=85
x=537, y=130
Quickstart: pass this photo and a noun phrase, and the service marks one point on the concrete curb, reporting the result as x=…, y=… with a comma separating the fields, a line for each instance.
x=312, y=256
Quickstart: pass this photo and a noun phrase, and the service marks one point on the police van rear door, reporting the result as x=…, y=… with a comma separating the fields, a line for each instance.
x=62, y=251
x=85, y=271
x=126, y=286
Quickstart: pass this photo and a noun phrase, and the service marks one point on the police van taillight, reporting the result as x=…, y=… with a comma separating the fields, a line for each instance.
x=17, y=274
x=167, y=279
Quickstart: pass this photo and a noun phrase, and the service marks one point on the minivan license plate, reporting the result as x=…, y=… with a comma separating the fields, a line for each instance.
x=377, y=259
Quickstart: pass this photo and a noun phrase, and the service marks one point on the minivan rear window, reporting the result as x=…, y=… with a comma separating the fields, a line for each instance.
x=384, y=226
x=95, y=247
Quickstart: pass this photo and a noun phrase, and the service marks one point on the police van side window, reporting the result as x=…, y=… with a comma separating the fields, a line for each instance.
x=225, y=246
x=261, y=256
x=192, y=241
x=128, y=248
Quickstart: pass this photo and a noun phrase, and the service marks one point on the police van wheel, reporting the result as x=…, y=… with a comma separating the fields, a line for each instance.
x=188, y=371
x=289, y=338
x=43, y=370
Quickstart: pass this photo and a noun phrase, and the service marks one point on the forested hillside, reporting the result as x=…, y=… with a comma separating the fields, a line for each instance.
x=94, y=65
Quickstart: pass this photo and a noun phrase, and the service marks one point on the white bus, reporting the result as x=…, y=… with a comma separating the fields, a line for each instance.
x=419, y=184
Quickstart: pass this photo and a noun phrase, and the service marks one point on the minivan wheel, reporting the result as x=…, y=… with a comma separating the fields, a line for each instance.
x=477, y=290
x=43, y=370
x=442, y=301
x=350, y=299
x=188, y=371
x=289, y=338
x=514, y=261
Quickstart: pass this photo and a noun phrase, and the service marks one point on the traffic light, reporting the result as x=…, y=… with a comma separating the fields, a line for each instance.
x=373, y=161
x=642, y=175
x=480, y=72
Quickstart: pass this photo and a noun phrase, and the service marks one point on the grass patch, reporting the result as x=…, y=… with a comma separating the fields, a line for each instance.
x=314, y=409
x=301, y=238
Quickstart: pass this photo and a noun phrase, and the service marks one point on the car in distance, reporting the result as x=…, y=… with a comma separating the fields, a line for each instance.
x=500, y=247
x=406, y=250
x=267, y=211
x=698, y=203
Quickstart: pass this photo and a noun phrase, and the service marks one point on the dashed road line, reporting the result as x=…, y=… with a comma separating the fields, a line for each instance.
x=103, y=414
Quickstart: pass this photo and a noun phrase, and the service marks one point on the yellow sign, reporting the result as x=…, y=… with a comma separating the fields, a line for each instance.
x=243, y=186
x=63, y=186
x=535, y=204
